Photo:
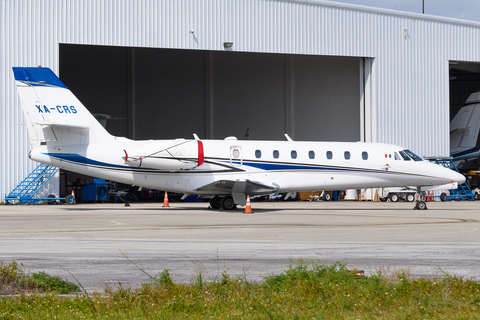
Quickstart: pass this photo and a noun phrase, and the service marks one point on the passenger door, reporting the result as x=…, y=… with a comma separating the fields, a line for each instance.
x=236, y=158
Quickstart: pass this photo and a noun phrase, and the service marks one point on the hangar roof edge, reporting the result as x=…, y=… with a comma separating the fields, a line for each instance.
x=391, y=12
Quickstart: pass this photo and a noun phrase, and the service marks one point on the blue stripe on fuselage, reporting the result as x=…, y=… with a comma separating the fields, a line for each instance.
x=76, y=158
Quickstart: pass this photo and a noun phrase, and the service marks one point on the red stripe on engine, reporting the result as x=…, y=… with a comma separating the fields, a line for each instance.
x=200, y=153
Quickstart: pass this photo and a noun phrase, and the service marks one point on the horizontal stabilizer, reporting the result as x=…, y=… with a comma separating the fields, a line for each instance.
x=37, y=77
x=81, y=127
x=247, y=187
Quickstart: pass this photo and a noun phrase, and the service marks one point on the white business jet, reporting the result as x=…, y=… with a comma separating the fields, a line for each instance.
x=64, y=134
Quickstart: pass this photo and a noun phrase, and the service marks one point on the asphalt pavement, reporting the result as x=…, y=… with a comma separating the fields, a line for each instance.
x=110, y=244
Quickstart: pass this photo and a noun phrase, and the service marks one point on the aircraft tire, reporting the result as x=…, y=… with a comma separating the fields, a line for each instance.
x=410, y=197
x=69, y=199
x=326, y=196
x=394, y=197
x=227, y=203
x=477, y=196
x=443, y=197
x=421, y=205
x=215, y=202
x=293, y=197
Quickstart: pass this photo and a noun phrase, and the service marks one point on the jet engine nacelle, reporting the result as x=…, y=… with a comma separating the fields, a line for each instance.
x=182, y=156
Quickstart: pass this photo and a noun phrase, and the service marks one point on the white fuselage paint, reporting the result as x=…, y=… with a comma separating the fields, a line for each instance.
x=300, y=174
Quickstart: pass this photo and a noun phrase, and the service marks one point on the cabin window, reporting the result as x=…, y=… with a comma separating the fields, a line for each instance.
x=276, y=154
x=311, y=154
x=347, y=155
x=293, y=154
x=397, y=157
x=236, y=153
x=364, y=155
x=404, y=156
x=413, y=155
x=329, y=155
x=258, y=154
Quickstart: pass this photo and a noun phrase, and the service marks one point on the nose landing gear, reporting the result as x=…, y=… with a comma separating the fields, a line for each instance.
x=421, y=204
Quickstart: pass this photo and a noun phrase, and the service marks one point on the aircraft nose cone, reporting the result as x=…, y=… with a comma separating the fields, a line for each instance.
x=457, y=177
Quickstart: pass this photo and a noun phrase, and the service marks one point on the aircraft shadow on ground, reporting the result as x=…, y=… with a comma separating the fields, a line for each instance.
x=206, y=208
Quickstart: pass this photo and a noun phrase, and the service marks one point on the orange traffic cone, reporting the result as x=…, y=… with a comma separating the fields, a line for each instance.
x=165, y=200
x=248, y=208
x=73, y=195
x=376, y=196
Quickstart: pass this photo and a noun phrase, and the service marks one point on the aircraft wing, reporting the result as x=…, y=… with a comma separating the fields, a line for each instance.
x=246, y=187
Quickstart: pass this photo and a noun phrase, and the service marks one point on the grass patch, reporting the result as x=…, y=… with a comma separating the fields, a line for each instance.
x=305, y=290
x=14, y=280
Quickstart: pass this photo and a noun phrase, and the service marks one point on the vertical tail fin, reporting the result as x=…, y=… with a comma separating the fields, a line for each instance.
x=52, y=112
x=465, y=126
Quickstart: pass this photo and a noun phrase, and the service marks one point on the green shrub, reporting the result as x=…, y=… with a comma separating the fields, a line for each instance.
x=16, y=280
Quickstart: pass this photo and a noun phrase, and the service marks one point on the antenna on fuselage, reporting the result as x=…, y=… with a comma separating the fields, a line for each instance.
x=288, y=137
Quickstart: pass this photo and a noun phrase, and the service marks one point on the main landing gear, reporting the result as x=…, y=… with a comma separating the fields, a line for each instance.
x=421, y=204
x=225, y=203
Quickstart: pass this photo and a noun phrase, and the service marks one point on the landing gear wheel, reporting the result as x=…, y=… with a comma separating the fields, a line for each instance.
x=443, y=197
x=326, y=196
x=227, y=203
x=215, y=203
x=421, y=205
x=477, y=196
x=394, y=197
x=410, y=197
x=293, y=196
x=69, y=199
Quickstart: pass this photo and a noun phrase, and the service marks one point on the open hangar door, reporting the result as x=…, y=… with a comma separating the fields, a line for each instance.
x=156, y=93
x=464, y=81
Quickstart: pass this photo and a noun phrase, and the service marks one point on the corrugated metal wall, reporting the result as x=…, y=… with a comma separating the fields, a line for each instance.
x=410, y=51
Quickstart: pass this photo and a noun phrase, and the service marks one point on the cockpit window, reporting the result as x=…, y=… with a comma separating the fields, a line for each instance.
x=404, y=156
x=413, y=155
x=397, y=157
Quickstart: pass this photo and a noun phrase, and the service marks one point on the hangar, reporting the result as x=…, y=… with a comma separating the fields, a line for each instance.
x=253, y=69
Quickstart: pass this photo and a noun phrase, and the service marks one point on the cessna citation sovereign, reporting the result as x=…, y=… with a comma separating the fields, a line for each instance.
x=65, y=134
